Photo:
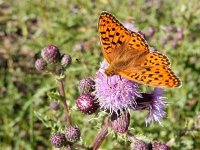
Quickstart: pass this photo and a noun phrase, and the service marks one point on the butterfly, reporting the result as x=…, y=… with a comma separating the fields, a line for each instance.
x=128, y=55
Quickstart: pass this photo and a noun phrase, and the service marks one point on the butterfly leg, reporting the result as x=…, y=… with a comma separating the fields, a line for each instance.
x=108, y=82
x=122, y=83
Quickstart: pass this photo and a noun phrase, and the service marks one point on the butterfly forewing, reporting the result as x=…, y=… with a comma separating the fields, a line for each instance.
x=138, y=43
x=113, y=34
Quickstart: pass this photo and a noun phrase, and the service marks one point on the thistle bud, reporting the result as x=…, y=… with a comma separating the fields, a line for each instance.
x=51, y=54
x=54, y=105
x=156, y=145
x=86, y=85
x=40, y=64
x=72, y=134
x=58, y=140
x=120, y=123
x=87, y=104
x=139, y=145
x=66, y=60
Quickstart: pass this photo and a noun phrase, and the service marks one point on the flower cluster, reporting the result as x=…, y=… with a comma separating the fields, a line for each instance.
x=137, y=144
x=71, y=135
x=86, y=102
x=52, y=60
x=118, y=96
x=174, y=36
x=56, y=63
x=115, y=95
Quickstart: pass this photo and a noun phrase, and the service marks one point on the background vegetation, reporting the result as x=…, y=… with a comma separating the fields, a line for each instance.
x=27, y=26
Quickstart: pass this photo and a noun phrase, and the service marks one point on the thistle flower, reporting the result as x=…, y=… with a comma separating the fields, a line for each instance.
x=40, y=64
x=115, y=93
x=86, y=85
x=50, y=54
x=58, y=140
x=72, y=134
x=154, y=103
x=87, y=104
x=120, y=123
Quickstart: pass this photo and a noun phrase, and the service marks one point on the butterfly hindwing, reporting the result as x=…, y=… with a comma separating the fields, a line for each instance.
x=153, y=76
x=156, y=59
x=152, y=69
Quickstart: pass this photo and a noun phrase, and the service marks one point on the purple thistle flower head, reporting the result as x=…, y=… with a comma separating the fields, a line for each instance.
x=154, y=103
x=115, y=93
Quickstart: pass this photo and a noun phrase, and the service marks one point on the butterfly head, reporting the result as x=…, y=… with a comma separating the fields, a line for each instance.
x=110, y=71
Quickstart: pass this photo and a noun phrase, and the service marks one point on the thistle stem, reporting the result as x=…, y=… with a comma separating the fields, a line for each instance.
x=63, y=98
x=102, y=135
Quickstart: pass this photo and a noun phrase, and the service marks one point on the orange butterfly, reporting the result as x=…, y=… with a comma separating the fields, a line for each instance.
x=128, y=55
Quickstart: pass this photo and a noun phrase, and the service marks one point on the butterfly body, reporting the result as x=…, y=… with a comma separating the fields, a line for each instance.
x=128, y=55
x=122, y=62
